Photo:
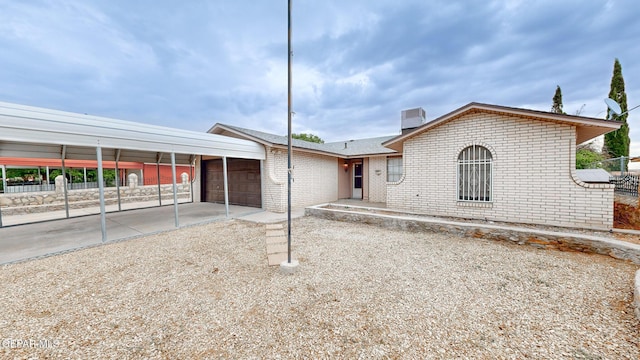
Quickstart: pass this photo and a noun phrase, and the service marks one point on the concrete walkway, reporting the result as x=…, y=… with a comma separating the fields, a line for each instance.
x=50, y=233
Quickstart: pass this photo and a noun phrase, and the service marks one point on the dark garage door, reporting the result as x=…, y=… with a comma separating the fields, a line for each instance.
x=244, y=182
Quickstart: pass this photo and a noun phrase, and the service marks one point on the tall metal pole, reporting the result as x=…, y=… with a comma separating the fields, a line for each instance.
x=289, y=137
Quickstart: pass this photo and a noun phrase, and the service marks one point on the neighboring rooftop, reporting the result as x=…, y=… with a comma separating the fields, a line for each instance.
x=593, y=175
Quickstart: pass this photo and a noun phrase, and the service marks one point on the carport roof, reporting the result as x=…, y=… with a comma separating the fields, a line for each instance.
x=27, y=131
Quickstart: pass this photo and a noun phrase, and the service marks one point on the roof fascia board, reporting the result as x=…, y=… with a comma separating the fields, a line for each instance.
x=250, y=150
x=309, y=151
x=239, y=133
x=543, y=116
x=35, y=125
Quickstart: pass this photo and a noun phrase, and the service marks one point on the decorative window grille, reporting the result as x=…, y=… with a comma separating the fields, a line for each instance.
x=474, y=174
x=394, y=169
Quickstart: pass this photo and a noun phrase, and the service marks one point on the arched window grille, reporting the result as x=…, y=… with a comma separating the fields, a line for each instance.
x=474, y=174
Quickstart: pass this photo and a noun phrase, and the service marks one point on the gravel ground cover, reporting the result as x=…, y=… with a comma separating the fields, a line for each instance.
x=360, y=292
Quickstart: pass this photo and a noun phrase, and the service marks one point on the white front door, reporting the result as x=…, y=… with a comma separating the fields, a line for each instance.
x=357, y=180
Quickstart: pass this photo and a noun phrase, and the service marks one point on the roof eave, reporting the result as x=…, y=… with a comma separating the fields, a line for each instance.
x=586, y=128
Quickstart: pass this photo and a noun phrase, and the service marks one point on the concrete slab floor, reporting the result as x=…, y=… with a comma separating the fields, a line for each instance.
x=35, y=239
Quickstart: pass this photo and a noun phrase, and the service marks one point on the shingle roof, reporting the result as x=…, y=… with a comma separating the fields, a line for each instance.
x=586, y=128
x=361, y=146
x=348, y=148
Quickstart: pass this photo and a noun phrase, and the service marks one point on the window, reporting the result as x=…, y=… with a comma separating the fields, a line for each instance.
x=474, y=174
x=394, y=169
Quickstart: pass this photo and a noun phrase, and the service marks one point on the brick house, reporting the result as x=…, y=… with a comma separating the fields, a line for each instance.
x=322, y=172
x=480, y=162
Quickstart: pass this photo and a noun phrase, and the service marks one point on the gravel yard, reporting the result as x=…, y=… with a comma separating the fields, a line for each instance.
x=360, y=292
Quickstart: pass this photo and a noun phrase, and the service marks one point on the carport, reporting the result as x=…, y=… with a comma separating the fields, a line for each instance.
x=31, y=132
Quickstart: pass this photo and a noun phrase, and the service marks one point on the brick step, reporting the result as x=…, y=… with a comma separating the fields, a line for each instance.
x=276, y=244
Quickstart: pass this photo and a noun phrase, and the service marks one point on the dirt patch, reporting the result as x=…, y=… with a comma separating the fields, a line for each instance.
x=626, y=216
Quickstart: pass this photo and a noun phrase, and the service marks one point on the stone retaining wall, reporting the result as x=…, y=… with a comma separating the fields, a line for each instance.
x=36, y=202
x=565, y=241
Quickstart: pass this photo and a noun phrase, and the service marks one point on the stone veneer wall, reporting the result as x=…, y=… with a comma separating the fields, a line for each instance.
x=34, y=202
x=534, y=177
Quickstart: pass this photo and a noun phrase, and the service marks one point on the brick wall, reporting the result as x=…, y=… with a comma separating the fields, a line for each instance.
x=533, y=174
x=378, y=179
x=315, y=180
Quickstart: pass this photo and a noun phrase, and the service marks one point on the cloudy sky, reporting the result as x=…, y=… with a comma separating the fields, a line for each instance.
x=356, y=63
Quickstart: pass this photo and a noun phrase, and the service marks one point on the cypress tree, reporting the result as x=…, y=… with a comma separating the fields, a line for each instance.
x=617, y=142
x=557, y=102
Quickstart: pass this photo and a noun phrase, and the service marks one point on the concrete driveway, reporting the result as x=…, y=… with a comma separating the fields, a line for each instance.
x=20, y=242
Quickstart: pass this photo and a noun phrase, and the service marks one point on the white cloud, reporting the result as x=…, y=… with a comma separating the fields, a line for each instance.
x=74, y=37
x=356, y=64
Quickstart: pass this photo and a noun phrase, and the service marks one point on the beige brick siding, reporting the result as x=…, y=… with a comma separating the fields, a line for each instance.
x=315, y=180
x=274, y=180
x=197, y=176
x=533, y=174
x=378, y=179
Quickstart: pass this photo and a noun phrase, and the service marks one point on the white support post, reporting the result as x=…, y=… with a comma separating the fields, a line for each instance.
x=85, y=178
x=4, y=187
x=158, y=158
x=262, y=186
x=48, y=180
x=226, y=185
x=103, y=215
x=192, y=167
x=175, y=188
x=64, y=181
x=4, y=178
x=118, y=179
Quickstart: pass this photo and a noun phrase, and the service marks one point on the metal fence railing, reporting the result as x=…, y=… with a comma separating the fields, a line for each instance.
x=20, y=188
x=14, y=188
x=626, y=184
x=617, y=165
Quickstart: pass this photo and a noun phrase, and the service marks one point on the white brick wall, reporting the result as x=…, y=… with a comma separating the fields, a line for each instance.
x=378, y=182
x=315, y=180
x=533, y=174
